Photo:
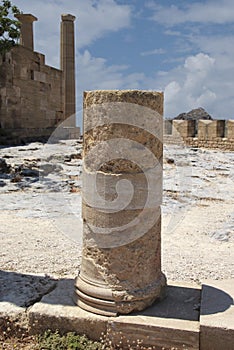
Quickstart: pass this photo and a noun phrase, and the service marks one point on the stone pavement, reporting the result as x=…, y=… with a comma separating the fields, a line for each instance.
x=190, y=317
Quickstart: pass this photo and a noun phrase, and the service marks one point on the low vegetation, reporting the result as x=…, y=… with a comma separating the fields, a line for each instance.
x=51, y=341
x=9, y=26
x=69, y=341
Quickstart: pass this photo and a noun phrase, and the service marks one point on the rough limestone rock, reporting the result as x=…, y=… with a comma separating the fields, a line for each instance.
x=195, y=114
x=4, y=167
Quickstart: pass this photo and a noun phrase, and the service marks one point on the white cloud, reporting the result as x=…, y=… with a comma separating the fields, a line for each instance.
x=172, y=90
x=172, y=32
x=206, y=77
x=206, y=97
x=200, y=63
x=219, y=46
x=195, y=84
x=158, y=51
x=218, y=12
x=202, y=79
x=95, y=73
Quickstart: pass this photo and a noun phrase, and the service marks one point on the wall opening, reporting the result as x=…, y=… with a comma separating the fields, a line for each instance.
x=167, y=127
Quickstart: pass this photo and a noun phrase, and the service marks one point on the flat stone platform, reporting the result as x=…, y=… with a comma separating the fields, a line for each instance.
x=190, y=317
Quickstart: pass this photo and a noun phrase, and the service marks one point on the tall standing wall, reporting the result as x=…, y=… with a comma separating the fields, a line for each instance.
x=31, y=95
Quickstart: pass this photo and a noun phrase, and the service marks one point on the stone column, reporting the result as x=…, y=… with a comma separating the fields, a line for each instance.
x=26, y=30
x=67, y=62
x=121, y=198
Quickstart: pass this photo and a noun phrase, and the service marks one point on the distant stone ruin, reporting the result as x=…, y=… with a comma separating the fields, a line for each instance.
x=34, y=97
x=200, y=133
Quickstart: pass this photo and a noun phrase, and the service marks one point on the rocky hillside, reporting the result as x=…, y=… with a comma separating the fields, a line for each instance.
x=195, y=114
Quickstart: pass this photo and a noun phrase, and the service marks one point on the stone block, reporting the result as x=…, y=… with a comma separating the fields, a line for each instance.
x=230, y=129
x=39, y=76
x=74, y=133
x=117, y=229
x=217, y=315
x=56, y=310
x=122, y=130
x=3, y=92
x=149, y=99
x=70, y=121
x=49, y=114
x=202, y=129
x=123, y=191
x=18, y=292
x=170, y=324
x=184, y=128
x=41, y=59
x=210, y=130
x=167, y=127
x=23, y=73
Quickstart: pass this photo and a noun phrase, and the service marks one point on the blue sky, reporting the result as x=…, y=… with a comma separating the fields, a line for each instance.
x=184, y=48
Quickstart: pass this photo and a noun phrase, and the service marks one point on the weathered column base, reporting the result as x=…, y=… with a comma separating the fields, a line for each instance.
x=94, y=298
x=100, y=299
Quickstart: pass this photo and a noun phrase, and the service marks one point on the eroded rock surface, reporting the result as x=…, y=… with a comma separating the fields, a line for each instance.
x=40, y=222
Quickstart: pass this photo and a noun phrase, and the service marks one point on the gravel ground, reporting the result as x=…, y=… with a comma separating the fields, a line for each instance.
x=40, y=219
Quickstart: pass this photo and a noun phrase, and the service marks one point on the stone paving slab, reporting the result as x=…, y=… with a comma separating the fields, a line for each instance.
x=154, y=333
x=56, y=310
x=172, y=322
x=217, y=315
x=23, y=290
x=17, y=293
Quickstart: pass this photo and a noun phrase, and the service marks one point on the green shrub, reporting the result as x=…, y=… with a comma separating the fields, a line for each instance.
x=69, y=341
x=9, y=27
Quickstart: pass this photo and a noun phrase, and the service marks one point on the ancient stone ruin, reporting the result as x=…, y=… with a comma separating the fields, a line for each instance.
x=121, y=267
x=122, y=193
x=34, y=97
x=200, y=133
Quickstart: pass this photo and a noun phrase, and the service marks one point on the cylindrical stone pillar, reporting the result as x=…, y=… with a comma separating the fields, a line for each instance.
x=122, y=194
x=67, y=63
x=26, y=30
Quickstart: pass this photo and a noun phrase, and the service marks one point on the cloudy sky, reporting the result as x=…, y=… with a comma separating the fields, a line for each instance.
x=184, y=48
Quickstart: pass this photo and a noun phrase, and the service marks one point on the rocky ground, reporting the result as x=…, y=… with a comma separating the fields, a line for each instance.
x=40, y=224
x=41, y=231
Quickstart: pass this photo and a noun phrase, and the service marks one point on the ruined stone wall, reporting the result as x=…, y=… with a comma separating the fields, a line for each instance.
x=218, y=143
x=186, y=128
x=216, y=134
x=31, y=96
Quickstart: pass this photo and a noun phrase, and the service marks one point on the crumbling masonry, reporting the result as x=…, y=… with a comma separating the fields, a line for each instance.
x=217, y=134
x=34, y=97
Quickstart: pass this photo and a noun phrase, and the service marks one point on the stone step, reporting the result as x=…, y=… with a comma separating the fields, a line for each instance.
x=177, y=322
